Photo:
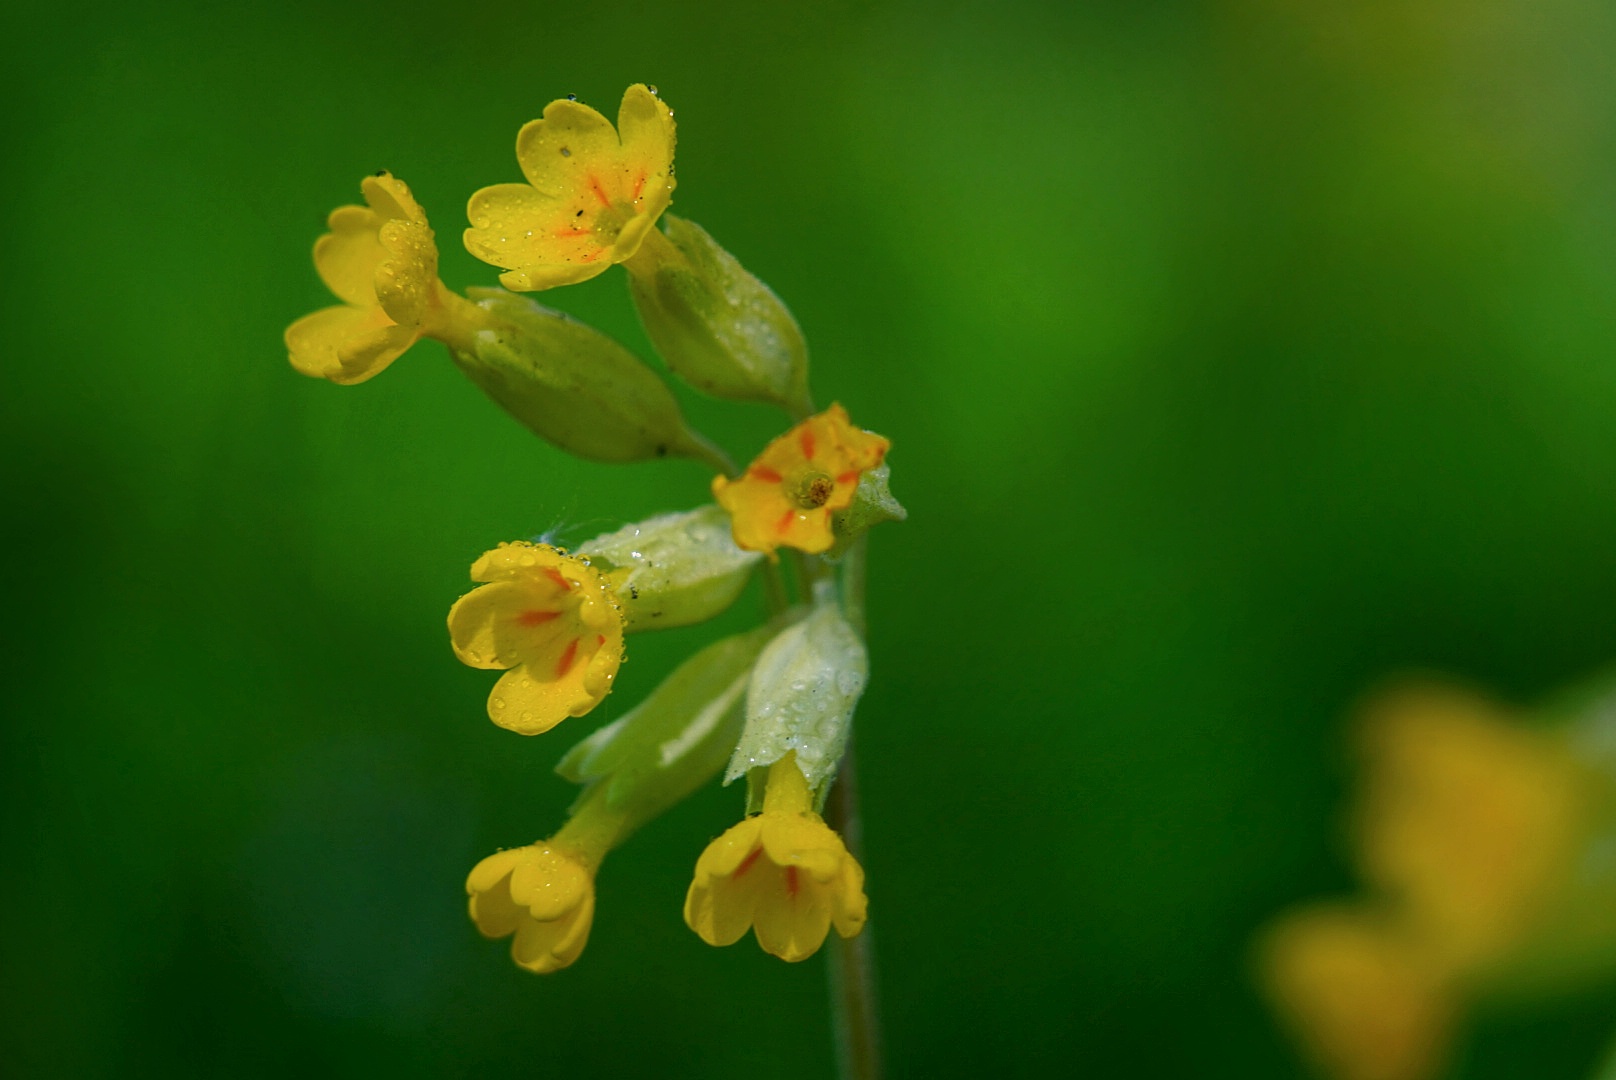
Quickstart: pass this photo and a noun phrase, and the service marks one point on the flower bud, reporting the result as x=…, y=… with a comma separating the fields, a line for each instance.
x=719, y=328
x=675, y=740
x=673, y=569
x=801, y=698
x=574, y=386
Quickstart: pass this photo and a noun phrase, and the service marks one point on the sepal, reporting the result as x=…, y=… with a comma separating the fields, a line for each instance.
x=801, y=698
x=673, y=569
x=718, y=327
x=572, y=385
x=675, y=740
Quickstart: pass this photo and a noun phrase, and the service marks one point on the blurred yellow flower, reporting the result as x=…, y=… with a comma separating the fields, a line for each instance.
x=381, y=261
x=786, y=498
x=782, y=873
x=553, y=621
x=592, y=193
x=1470, y=829
x=1472, y=822
x=1364, y=1002
x=544, y=894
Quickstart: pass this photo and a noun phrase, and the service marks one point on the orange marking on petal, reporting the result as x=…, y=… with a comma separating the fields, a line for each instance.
x=569, y=233
x=766, y=474
x=792, y=884
x=788, y=519
x=593, y=255
x=600, y=639
x=564, y=665
x=600, y=192
x=639, y=186
x=555, y=575
x=849, y=476
x=537, y=618
x=807, y=440
x=746, y=863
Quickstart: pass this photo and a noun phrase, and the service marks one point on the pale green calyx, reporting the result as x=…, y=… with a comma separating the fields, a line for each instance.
x=676, y=739
x=718, y=327
x=673, y=569
x=803, y=691
x=872, y=504
x=572, y=385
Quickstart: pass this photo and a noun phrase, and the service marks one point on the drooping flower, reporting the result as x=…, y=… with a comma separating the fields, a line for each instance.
x=787, y=497
x=382, y=262
x=552, y=621
x=544, y=894
x=592, y=193
x=782, y=873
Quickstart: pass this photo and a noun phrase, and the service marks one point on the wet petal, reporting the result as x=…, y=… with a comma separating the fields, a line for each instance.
x=347, y=256
x=793, y=918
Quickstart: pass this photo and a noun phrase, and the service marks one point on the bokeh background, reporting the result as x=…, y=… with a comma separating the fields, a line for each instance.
x=1235, y=355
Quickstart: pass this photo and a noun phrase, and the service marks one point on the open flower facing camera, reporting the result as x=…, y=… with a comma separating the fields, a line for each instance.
x=772, y=705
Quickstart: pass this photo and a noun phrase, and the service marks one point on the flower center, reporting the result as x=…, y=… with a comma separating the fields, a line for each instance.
x=811, y=490
x=609, y=221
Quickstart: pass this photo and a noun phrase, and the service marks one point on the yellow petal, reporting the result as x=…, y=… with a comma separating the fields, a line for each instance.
x=849, y=906
x=347, y=256
x=792, y=915
x=494, y=913
x=488, y=886
x=528, y=706
x=719, y=909
x=725, y=854
x=528, y=232
x=558, y=151
x=503, y=624
x=803, y=841
x=346, y=345
x=407, y=279
x=390, y=197
x=544, y=947
x=549, y=884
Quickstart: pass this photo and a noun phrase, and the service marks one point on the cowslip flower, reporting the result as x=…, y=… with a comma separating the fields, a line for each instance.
x=382, y=263
x=1473, y=832
x=592, y=195
x=786, y=498
x=1474, y=822
x=544, y=894
x=782, y=873
x=552, y=621
x=1365, y=1002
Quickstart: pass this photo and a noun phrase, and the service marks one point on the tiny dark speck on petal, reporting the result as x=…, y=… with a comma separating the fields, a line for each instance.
x=565, y=152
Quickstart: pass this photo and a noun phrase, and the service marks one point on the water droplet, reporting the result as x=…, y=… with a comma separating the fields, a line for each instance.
x=572, y=97
x=653, y=89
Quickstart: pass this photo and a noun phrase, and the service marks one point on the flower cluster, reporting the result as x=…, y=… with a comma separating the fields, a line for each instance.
x=1478, y=833
x=772, y=705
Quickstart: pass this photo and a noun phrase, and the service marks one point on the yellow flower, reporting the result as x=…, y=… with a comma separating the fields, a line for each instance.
x=592, y=193
x=787, y=496
x=783, y=873
x=1365, y=1002
x=544, y=894
x=1470, y=821
x=549, y=618
x=381, y=261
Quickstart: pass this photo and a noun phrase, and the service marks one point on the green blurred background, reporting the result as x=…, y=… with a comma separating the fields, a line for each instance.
x=1234, y=355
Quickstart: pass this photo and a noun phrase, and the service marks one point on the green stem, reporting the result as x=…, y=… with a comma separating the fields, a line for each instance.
x=856, y=1017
